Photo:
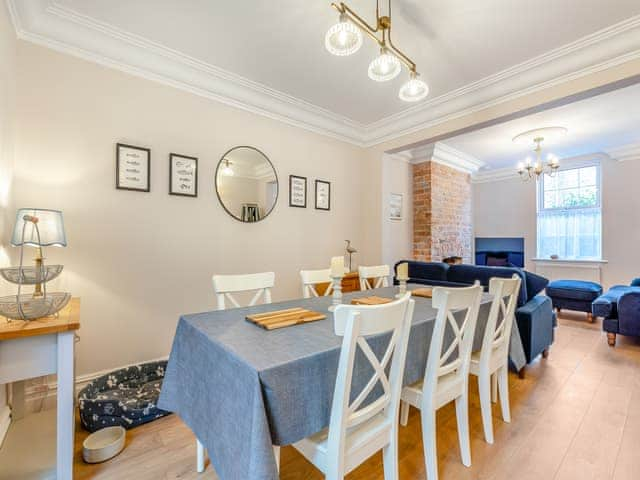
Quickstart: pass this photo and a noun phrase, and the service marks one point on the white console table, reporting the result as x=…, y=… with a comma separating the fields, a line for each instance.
x=42, y=347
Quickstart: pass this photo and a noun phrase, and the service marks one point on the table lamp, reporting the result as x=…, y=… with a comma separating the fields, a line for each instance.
x=50, y=232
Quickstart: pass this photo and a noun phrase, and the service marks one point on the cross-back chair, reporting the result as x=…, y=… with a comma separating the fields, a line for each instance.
x=355, y=431
x=446, y=377
x=311, y=278
x=491, y=363
x=374, y=277
x=224, y=287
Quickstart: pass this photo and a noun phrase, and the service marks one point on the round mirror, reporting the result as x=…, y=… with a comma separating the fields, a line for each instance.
x=246, y=184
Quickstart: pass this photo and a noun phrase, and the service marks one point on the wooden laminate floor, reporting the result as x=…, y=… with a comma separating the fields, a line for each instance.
x=576, y=415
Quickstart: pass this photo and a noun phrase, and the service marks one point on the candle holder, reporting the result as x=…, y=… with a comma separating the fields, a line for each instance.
x=336, y=295
x=402, y=288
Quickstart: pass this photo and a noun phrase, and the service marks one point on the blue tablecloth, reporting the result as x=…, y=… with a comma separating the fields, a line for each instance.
x=242, y=389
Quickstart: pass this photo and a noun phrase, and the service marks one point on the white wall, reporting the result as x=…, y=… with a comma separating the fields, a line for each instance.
x=138, y=260
x=7, y=129
x=507, y=208
x=397, y=235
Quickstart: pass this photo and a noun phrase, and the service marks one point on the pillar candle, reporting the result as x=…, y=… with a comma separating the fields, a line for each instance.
x=337, y=267
x=403, y=271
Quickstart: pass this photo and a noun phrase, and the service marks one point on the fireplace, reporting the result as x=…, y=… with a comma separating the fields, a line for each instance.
x=500, y=251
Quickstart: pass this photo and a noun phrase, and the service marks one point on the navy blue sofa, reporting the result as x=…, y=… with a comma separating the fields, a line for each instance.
x=620, y=309
x=534, y=315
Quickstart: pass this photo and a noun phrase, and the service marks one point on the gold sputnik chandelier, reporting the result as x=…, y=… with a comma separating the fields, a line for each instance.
x=345, y=38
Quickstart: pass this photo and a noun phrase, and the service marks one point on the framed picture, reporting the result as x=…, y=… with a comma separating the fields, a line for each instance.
x=133, y=168
x=297, y=191
x=183, y=175
x=395, y=206
x=323, y=195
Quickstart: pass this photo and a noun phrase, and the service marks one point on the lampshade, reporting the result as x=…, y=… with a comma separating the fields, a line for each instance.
x=385, y=67
x=50, y=225
x=414, y=90
x=344, y=38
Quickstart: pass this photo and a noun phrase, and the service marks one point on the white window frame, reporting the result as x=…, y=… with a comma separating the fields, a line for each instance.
x=575, y=165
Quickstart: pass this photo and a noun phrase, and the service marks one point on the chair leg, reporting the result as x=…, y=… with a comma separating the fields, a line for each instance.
x=199, y=457
x=494, y=387
x=404, y=413
x=611, y=339
x=503, y=385
x=276, y=454
x=462, y=416
x=390, y=458
x=428, y=417
x=485, y=406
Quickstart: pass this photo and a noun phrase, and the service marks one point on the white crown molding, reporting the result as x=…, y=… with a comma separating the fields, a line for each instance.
x=624, y=153
x=47, y=23
x=444, y=155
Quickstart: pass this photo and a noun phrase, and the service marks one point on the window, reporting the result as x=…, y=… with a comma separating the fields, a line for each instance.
x=569, y=214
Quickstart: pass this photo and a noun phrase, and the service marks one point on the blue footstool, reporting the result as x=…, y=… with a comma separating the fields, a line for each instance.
x=574, y=295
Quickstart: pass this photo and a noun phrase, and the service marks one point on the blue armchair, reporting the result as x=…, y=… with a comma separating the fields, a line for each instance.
x=620, y=309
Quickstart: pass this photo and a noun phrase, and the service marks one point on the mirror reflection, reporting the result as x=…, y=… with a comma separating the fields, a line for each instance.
x=246, y=184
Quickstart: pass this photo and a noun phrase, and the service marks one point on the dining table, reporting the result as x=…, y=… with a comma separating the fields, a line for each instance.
x=243, y=389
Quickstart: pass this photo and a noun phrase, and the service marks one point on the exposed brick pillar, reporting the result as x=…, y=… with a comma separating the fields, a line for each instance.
x=441, y=212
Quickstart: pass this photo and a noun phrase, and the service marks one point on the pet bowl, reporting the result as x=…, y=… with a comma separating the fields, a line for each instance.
x=103, y=445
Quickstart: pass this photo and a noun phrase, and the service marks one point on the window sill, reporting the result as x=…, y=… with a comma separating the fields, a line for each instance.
x=566, y=261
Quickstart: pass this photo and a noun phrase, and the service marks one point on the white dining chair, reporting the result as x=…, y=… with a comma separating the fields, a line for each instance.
x=356, y=432
x=224, y=286
x=446, y=377
x=374, y=277
x=491, y=363
x=311, y=278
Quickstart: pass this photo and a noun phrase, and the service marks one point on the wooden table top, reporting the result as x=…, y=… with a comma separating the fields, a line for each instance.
x=68, y=319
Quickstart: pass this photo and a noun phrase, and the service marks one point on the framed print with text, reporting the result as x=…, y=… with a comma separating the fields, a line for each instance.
x=323, y=195
x=297, y=191
x=133, y=168
x=183, y=175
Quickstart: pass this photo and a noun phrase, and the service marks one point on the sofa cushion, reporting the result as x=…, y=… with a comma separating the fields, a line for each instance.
x=574, y=290
x=535, y=284
x=428, y=270
x=470, y=273
x=635, y=282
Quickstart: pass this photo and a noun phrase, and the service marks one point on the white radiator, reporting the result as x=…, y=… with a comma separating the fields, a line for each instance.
x=588, y=270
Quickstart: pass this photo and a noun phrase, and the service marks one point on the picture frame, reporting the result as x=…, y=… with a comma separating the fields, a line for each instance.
x=297, y=191
x=323, y=195
x=183, y=175
x=395, y=206
x=133, y=168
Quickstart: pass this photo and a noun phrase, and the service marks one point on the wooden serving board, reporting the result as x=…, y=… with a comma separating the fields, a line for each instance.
x=422, y=292
x=284, y=318
x=371, y=300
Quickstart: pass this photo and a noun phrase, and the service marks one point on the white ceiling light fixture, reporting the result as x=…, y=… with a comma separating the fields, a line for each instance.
x=227, y=171
x=342, y=39
x=385, y=67
x=528, y=169
x=414, y=90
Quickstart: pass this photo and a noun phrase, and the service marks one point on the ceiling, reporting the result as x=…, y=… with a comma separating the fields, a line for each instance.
x=600, y=124
x=269, y=56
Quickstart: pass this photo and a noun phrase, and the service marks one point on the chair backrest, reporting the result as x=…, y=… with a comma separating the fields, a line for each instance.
x=226, y=285
x=311, y=278
x=374, y=277
x=354, y=323
x=455, y=359
x=498, y=330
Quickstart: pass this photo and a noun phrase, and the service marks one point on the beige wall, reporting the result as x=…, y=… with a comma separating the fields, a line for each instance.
x=508, y=208
x=397, y=235
x=7, y=129
x=138, y=260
